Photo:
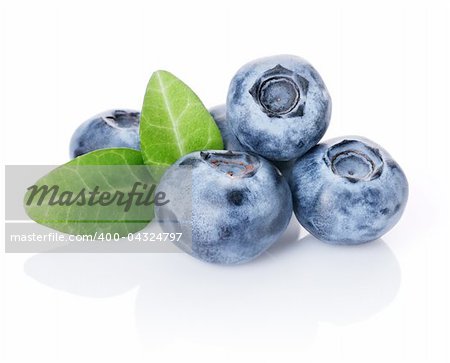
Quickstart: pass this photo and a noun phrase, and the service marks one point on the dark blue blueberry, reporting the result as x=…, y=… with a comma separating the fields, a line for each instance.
x=113, y=128
x=230, y=206
x=348, y=191
x=278, y=107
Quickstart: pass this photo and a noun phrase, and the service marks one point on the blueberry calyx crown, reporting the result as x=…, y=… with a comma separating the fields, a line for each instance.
x=280, y=92
x=121, y=119
x=232, y=163
x=354, y=160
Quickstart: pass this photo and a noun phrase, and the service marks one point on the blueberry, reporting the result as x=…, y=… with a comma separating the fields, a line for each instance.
x=113, y=128
x=348, y=191
x=278, y=107
x=230, y=206
x=230, y=141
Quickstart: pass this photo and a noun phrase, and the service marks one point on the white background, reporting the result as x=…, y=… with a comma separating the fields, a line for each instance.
x=386, y=65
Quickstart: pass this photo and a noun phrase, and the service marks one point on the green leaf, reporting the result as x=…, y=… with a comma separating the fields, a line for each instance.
x=174, y=122
x=113, y=171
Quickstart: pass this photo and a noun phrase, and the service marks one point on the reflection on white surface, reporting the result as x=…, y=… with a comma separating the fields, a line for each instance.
x=283, y=295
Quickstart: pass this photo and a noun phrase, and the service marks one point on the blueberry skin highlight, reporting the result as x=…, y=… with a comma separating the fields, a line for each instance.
x=230, y=142
x=278, y=107
x=231, y=209
x=348, y=191
x=112, y=128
